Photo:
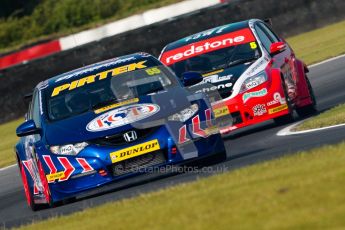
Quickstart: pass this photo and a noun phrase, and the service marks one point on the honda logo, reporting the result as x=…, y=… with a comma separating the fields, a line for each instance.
x=130, y=136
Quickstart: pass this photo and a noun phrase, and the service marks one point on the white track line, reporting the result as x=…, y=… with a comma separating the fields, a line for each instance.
x=326, y=61
x=8, y=167
x=287, y=131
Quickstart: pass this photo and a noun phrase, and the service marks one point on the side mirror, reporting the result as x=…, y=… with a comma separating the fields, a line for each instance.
x=277, y=47
x=191, y=78
x=27, y=128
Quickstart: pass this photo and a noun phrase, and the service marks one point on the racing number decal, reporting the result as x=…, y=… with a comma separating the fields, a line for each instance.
x=253, y=45
x=153, y=71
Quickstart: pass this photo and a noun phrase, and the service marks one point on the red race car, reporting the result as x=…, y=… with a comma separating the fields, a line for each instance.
x=255, y=72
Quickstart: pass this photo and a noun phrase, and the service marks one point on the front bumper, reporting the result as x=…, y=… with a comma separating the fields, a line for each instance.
x=93, y=167
x=259, y=104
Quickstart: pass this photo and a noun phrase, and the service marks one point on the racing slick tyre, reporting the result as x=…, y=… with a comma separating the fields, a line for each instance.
x=45, y=185
x=309, y=109
x=288, y=117
x=28, y=194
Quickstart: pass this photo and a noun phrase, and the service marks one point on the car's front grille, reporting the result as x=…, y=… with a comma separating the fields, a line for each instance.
x=118, y=139
x=139, y=163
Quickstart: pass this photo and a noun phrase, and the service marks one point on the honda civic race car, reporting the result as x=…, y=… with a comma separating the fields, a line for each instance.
x=255, y=72
x=107, y=122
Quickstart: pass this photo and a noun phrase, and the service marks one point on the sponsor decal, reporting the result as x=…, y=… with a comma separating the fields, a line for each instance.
x=259, y=110
x=206, y=33
x=222, y=111
x=277, y=99
x=114, y=61
x=134, y=151
x=257, y=67
x=68, y=168
x=249, y=95
x=216, y=78
x=119, y=104
x=278, y=109
x=98, y=77
x=214, y=88
x=122, y=116
x=55, y=176
x=213, y=73
x=242, y=36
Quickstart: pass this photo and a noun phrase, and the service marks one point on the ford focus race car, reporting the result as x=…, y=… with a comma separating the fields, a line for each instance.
x=255, y=72
x=107, y=122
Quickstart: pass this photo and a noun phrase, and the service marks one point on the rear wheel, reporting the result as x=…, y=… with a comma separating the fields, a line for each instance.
x=309, y=109
x=288, y=117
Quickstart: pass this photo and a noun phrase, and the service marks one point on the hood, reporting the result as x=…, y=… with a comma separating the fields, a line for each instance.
x=224, y=80
x=149, y=111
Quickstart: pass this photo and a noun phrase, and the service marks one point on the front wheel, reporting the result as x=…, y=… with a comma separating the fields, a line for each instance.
x=309, y=109
x=28, y=193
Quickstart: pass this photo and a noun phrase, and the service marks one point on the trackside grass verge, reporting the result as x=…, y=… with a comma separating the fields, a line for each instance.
x=320, y=44
x=334, y=116
x=301, y=191
x=8, y=139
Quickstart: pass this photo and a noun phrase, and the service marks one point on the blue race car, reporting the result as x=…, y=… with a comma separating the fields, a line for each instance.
x=109, y=121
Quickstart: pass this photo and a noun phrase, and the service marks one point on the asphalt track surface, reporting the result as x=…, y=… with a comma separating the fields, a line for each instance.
x=244, y=147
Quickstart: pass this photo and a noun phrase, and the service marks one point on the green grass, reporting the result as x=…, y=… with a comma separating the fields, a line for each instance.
x=330, y=117
x=7, y=142
x=301, y=191
x=320, y=44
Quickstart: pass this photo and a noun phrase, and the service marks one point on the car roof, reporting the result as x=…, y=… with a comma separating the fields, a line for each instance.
x=224, y=29
x=94, y=68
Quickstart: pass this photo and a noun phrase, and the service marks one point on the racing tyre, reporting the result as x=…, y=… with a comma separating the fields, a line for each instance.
x=45, y=185
x=288, y=117
x=28, y=194
x=309, y=109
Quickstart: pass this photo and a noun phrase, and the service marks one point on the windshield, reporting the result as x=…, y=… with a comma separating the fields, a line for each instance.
x=127, y=86
x=218, y=59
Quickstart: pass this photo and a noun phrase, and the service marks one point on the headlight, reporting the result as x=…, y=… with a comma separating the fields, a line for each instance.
x=71, y=149
x=185, y=114
x=253, y=81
